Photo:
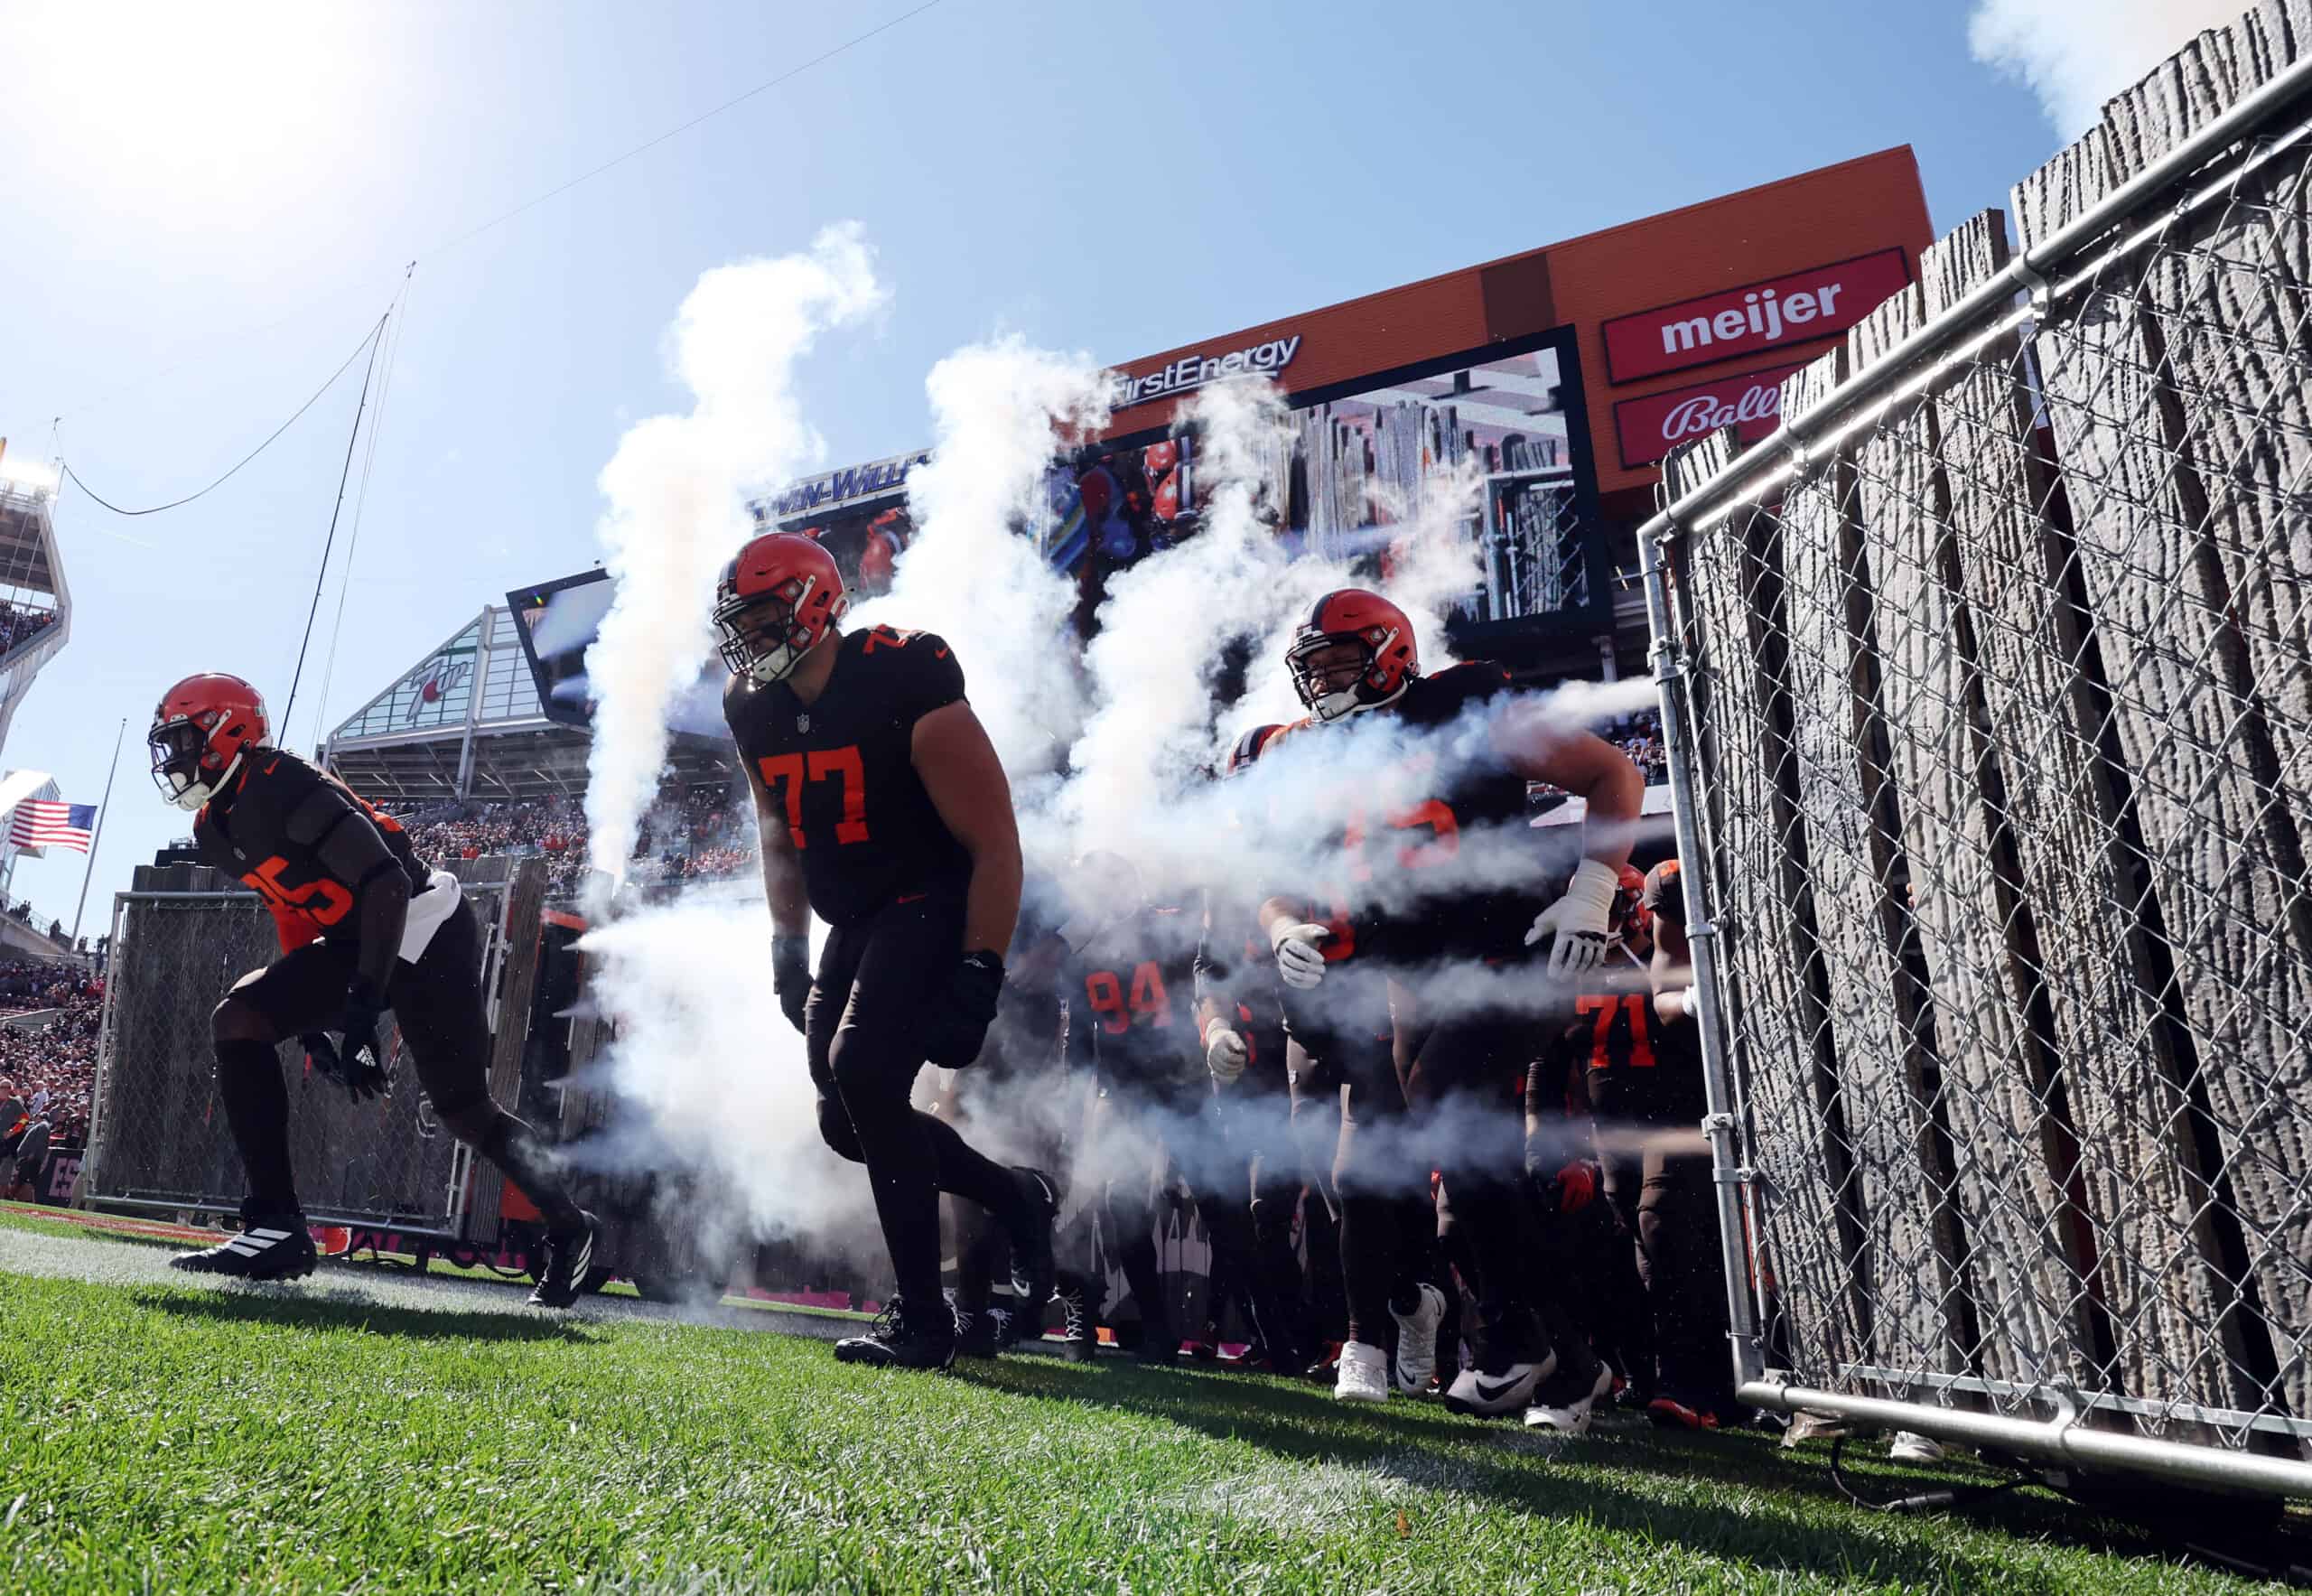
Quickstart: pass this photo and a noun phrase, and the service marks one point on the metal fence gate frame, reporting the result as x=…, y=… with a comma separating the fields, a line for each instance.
x=2213, y=164
x=134, y=1078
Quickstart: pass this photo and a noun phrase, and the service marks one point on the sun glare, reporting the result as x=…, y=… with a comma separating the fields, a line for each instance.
x=172, y=111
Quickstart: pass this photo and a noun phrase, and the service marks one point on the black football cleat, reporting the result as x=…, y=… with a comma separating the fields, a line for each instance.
x=984, y=1334
x=1079, y=1338
x=269, y=1246
x=1032, y=1274
x=569, y=1255
x=900, y=1338
x=1160, y=1345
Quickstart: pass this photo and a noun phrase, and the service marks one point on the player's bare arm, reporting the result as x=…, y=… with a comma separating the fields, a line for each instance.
x=1672, y=971
x=1587, y=765
x=967, y=786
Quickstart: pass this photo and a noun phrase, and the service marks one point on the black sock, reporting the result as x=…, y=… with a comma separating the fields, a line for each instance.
x=963, y=1171
x=530, y=1163
x=1136, y=1254
x=256, y=1108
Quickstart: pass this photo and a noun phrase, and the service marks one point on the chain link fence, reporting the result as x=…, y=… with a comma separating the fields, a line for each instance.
x=158, y=1137
x=1988, y=693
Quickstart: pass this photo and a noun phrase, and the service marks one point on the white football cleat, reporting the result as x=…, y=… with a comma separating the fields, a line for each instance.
x=1416, y=1359
x=1364, y=1374
x=1565, y=1405
x=1490, y=1393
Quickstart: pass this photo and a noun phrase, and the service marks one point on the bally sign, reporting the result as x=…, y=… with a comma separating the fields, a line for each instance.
x=1806, y=304
x=1650, y=427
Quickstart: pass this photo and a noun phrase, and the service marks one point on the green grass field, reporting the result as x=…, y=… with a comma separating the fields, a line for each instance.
x=303, y=1439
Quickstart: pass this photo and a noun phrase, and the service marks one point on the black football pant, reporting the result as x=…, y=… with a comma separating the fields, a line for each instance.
x=445, y=1029
x=863, y=1027
x=1316, y=1139
x=1380, y=1176
x=1679, y=1259
x=1010, y=1070
x=1194, y=1147
x=1465, y=1080
x=1260, y=1110
x=1600, y=1247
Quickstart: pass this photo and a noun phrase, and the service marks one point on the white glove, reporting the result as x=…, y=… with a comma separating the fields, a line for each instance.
x=1578, y=921
x=1298, y=958
x=1224, y=1053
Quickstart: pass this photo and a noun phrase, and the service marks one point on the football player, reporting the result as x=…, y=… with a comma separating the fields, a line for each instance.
x=1365, y=992
x=1674, y=1212
x=1130, y=986
x=884, y=810
x=1582, y=1097
x=365, y=926
x=1243, y=1033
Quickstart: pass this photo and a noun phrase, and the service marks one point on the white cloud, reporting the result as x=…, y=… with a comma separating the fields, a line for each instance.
x=2076, y=54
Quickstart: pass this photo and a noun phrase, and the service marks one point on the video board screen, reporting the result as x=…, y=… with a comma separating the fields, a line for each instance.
x=1359, y=464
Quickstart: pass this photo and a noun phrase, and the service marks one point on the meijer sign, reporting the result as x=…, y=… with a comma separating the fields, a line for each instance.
x=1812, y=303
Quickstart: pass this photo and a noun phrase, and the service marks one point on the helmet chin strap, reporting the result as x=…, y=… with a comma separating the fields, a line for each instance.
x=1356, y=705
x=194, y=794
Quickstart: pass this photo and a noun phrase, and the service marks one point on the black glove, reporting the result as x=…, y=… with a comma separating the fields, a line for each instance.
x=320, y=1054
x=790, y=976
x=361, y=1062
x=960, y=1014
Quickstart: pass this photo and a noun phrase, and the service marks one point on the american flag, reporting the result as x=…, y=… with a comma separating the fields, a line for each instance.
x=45, y=823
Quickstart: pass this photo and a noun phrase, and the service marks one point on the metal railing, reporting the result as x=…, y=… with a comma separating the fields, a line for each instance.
x=1987, y=689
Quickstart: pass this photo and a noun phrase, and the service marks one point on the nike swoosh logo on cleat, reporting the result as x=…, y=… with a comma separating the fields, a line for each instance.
x=1492, y=1390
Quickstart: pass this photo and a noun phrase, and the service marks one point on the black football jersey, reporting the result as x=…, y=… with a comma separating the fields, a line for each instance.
x=1444, y=786
x=1638, y=1067
x=842, y=770
x=305, y=842
x=1131, y=999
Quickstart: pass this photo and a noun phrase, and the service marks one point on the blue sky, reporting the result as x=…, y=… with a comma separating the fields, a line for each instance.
x=205, y=219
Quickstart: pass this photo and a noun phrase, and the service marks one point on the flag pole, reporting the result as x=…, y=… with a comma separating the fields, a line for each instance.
x=96, y=841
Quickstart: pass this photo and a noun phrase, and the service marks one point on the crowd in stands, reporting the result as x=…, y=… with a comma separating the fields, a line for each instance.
x=48, y=1070
x=20, y=625
x=691, y=835
x=1639, y=736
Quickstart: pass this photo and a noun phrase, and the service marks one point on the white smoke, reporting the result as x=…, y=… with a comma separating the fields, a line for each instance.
x=675, y=509
x=1109, y=750
x=1433, y=566
x=1167, y=623
x=1000, y=411
x=721, y=1074
x=2076, y=54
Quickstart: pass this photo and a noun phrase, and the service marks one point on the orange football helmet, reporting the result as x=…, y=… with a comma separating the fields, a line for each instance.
x=1355, y=652
x=778, y=597
x=203, y=726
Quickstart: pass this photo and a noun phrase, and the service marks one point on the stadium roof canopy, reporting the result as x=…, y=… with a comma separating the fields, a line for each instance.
x=463, y=722
x=31, y=585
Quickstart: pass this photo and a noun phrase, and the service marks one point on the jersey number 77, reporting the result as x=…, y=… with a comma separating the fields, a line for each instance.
x=786, y=774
